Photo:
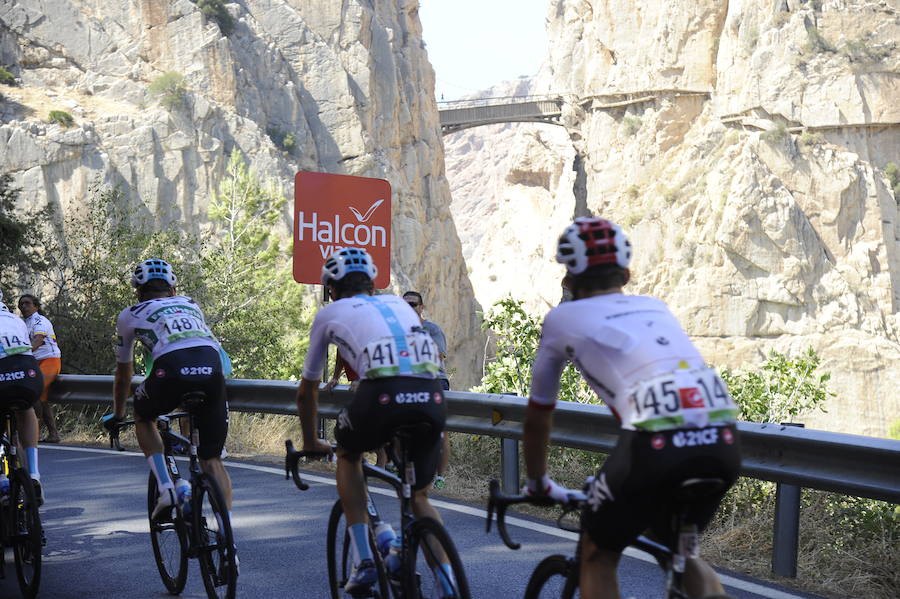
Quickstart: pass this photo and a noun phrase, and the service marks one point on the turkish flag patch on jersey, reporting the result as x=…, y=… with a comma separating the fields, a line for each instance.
x=691, y=397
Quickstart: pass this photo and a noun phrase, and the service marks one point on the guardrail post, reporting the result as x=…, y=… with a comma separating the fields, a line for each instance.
x=509, y=465
x=787, y=526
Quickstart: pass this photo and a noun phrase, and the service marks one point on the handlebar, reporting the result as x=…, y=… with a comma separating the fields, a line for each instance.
x=498, y=501
x=292, y=461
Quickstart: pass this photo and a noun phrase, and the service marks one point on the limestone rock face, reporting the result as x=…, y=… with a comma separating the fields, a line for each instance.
x=743, y=147
x=350, y=80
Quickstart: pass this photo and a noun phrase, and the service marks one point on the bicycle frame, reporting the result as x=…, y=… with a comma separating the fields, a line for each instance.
x=670, y=560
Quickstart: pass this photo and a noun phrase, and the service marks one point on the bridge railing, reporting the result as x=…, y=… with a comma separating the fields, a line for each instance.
x=790, y=456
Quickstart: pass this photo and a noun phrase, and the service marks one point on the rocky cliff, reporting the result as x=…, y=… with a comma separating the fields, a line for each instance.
x=743, y=146
x=349, y=80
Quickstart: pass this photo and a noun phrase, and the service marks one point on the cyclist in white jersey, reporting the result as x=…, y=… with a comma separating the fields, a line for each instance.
x=184, y=357
x=382, y=339
x=46, y=352
x=676, y=415
x=21, y=383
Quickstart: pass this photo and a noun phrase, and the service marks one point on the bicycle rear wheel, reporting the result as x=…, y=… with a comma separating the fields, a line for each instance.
x=556, y=577
x=339, y=557
x=424, y=577
x=26, y=535
x=169, y=540
x=215, y=542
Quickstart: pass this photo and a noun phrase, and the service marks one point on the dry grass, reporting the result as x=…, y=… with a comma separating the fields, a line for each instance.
x=848, y=547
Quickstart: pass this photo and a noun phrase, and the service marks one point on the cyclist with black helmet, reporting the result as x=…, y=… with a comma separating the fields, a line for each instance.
x=677, y=418
x=184, y=357
x=382, y=338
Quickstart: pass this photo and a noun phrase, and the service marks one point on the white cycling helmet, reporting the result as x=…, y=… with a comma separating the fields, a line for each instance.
x=591, y=241
x=153, y=269
x=345, y=261
x=3, y=307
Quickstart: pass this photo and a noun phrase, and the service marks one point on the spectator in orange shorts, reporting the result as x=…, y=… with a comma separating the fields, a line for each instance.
x=46, y=352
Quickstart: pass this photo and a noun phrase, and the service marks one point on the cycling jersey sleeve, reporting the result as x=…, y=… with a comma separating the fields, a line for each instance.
x=548, y=367
x=318, y=346
x=124, y=339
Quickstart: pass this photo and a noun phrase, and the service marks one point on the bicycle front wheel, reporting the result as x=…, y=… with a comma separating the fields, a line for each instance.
x=556, y=577
x=169, y=539
x=431, y=553
x=26, y=534
x=339, y=557
x=215, y=542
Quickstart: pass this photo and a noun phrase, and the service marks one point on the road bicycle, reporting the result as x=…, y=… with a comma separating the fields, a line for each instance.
x=557, y=575
x=423, y=542
x=20, y=522
x=197, y=528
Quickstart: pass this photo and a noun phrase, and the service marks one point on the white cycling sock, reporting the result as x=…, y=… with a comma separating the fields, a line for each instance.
x=158, y=467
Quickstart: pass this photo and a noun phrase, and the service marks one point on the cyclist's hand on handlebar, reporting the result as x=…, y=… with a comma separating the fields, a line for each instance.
x=110, y=422
x=318, y=446
x=546, y=486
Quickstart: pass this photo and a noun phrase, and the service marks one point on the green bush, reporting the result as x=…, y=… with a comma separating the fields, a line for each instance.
x=287, y=142
x=170, y=89
x=215, y=10
x=776, y=134
x=816, y=43
x=809, y=140
x=631, y=124
x=6, y=78
x=893, y=174
x=61, y=118
x=290, y=143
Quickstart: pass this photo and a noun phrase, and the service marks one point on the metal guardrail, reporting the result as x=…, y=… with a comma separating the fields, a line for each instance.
x=847, y=464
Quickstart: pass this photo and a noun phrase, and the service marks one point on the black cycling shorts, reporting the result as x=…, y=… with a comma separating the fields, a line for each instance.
x=632, y=492
x=382, y=405
x=184, y=371
x=21, y=382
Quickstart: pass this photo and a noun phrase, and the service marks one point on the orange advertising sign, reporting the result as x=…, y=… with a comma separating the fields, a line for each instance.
x=337, y=211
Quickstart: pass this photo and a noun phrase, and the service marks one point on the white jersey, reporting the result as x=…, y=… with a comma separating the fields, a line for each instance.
x=634, y=354
x=378, y=335
x=162, y=325
x=41, y=325
x=14, y=337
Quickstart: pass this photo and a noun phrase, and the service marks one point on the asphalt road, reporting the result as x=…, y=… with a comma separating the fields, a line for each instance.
x=97, y=543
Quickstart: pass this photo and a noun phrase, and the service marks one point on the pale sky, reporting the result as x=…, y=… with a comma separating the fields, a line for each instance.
x=474, y=44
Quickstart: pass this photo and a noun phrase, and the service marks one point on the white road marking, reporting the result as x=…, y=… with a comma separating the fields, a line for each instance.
x=730, y=581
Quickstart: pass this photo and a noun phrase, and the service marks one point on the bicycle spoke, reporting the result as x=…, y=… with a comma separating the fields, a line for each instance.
x=215, y=545
x=27, y=534
x=169, y=541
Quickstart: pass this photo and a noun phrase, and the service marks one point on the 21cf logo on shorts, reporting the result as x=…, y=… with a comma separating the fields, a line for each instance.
x=32, y=373
x=160, y=373
x=384, y=398
x=658, y=441
x=727, y=436
x=438, y=398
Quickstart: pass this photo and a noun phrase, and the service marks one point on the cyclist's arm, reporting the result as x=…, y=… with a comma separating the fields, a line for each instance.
x=538, y=421
x=121, y=387
x=308, y=410
x=37, y=340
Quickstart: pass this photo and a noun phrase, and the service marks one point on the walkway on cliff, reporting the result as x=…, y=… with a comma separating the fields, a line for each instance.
x=464, y=114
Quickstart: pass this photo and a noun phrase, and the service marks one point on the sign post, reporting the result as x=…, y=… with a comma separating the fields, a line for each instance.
x=337, y=211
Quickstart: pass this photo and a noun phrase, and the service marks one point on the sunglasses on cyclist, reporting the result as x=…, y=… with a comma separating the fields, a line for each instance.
x=413, y=304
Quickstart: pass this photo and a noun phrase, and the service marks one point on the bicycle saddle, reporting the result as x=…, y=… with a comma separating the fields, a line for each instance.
x=16, y=403
x=693, y=489
x=193, y=400
x=407, y=431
